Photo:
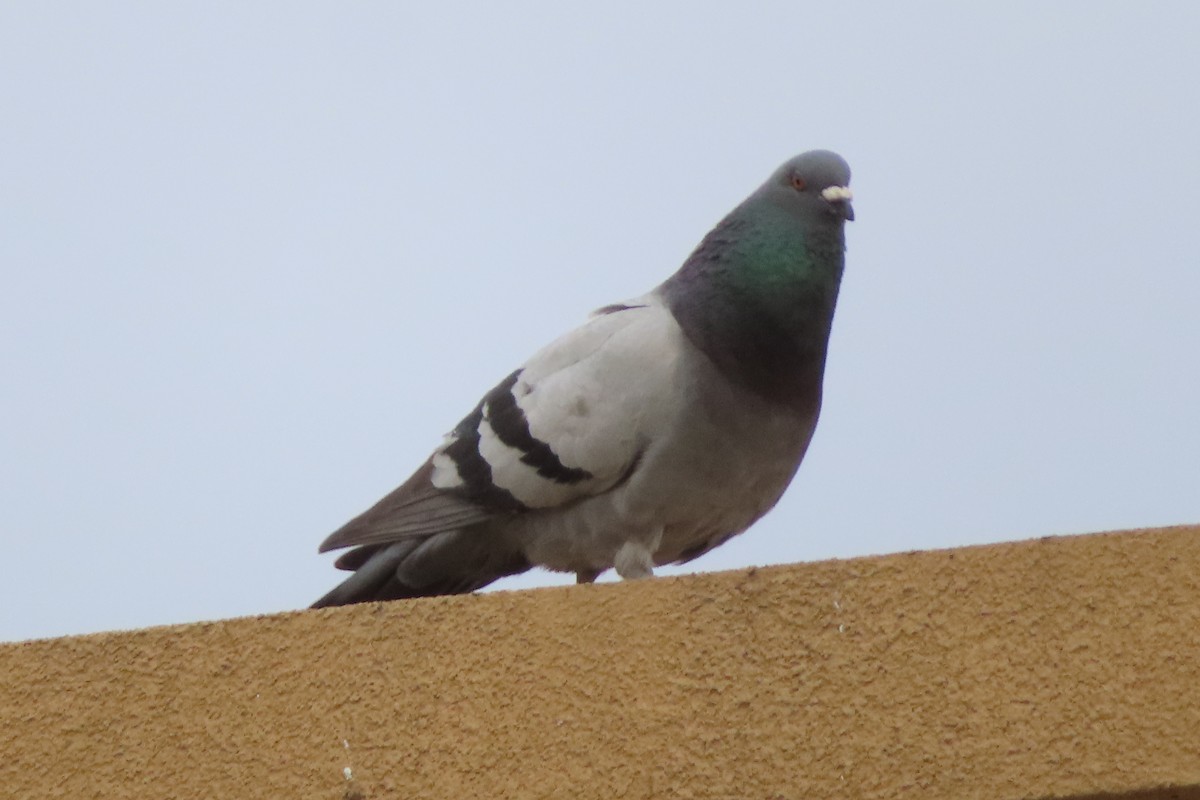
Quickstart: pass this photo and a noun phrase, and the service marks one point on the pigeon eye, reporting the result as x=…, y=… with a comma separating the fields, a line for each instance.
x=798, y=183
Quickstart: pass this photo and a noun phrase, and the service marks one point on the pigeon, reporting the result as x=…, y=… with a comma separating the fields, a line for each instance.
x=654, y=432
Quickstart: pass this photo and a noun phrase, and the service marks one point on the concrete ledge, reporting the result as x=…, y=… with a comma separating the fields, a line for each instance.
x=1058, y=668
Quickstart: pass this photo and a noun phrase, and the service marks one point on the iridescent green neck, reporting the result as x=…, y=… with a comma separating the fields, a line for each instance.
x=757, y=297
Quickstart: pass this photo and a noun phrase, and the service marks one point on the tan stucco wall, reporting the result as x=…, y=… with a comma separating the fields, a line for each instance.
x=1065, y=667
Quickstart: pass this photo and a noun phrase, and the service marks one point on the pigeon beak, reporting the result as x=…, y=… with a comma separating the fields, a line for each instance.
x=839, y=198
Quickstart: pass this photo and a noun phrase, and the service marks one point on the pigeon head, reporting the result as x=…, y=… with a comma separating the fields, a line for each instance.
x=812, y=185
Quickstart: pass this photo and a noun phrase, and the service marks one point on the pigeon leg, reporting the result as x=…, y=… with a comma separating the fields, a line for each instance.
x=587, y=575
x=634, y=561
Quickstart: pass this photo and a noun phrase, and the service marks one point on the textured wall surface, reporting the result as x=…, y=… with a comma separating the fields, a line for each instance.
x=1065, y=667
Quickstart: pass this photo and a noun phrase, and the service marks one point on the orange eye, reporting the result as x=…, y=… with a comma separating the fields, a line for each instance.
x=798, y=183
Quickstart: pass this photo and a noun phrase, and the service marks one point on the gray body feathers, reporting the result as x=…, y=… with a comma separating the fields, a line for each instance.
x=651, y=434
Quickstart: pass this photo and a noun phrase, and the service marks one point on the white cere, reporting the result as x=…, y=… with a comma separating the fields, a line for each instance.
x=835, y=193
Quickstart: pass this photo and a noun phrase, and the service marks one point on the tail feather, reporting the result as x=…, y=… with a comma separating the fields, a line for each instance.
x=454, y=562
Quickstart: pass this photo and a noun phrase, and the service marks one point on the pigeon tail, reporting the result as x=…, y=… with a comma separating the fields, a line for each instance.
x=454, y=562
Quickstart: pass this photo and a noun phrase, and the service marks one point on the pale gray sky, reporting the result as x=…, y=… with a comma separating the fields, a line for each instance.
x=258, y=257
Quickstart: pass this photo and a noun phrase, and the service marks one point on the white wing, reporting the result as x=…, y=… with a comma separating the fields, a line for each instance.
x=571, y=423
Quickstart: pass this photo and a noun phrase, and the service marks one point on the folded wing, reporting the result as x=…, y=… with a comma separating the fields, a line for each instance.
x=570, y=424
